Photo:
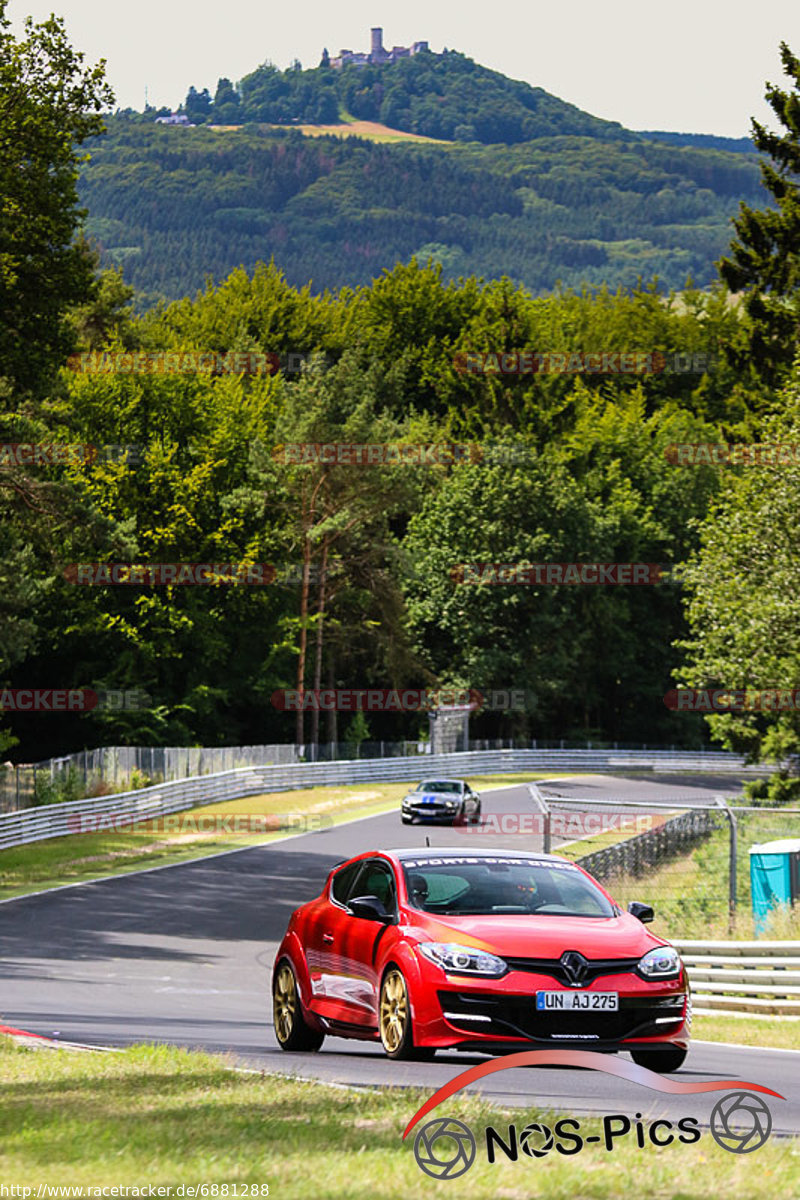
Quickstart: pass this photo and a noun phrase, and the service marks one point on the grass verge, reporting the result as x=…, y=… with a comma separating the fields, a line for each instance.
x=748, y=1031
x=635, y=824
x=690, y=892
x=166, y=1117
x=183, y=836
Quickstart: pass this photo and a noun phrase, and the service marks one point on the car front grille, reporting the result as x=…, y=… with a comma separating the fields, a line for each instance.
x=517, y=1017
x=595, y=968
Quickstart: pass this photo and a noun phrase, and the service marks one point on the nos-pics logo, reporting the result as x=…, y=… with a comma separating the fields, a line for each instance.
x=446, y=1148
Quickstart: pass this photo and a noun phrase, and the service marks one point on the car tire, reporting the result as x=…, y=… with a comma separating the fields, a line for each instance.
x=671, y=1058
x=291, y=1030
x=394, y=1019
x=406, y=820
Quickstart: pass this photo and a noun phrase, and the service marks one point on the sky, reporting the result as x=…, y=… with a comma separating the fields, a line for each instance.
x=697, y=66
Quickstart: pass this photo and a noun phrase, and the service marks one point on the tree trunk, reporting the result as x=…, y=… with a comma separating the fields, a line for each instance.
x=323, y=579
x=332, y=722
x=299, y=734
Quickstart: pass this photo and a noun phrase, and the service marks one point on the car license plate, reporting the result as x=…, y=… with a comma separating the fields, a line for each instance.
x=577, y=1001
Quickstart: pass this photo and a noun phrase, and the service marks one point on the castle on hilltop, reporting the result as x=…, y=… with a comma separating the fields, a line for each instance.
x=378, y=54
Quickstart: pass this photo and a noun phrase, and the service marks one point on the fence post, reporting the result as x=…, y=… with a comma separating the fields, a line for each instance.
x=544, y=808
x=720, y=801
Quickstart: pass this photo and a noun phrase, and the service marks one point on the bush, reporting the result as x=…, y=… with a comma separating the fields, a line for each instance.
x=138, y=780
x=67, y=785
x=774, y=792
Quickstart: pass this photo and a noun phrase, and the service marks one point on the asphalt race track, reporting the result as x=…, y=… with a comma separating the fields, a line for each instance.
x=183, y=954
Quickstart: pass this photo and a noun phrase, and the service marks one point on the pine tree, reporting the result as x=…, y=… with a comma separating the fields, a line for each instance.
x=764, y=262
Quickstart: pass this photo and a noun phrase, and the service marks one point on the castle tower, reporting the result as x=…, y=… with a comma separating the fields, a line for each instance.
x=378, y=51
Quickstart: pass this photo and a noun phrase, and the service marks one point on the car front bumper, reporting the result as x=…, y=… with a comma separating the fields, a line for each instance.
x=435, y=812
x=460, y=1011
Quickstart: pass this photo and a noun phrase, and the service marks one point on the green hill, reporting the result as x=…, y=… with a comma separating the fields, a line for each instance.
x=443, y=96
x=173, y=206
x=527, y=185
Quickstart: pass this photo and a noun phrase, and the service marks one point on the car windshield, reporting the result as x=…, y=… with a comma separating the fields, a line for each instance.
x=481, y=885
x=441, y=785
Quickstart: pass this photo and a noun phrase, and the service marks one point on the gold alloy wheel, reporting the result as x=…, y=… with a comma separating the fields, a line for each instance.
x=394, y=1011
x=285, y=1003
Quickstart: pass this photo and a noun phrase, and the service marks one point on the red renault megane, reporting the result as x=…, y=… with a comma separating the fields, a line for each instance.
x=432, y=949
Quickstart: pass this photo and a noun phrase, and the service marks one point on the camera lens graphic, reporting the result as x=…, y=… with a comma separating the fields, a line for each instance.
x=444, y=1148
x=532, y=1134
x=740, y=1122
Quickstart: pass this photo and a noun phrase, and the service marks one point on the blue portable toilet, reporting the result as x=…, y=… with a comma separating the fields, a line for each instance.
x=774, y=876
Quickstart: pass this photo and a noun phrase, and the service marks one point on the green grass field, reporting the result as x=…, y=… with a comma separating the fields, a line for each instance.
x=164, y=1117
x=751, y=1030
x=690, y=892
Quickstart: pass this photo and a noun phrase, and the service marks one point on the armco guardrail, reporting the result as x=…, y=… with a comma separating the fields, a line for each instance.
x=56, y=820
x=743, y=977
x=115, y=765
x=640, y=853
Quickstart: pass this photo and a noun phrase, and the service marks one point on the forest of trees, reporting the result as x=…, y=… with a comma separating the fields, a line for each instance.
x=523, y=185
x=573, y=466
x=173, y=206
x=596, y=484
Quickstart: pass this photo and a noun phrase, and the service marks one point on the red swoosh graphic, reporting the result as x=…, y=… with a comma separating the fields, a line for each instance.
x=580, y=1058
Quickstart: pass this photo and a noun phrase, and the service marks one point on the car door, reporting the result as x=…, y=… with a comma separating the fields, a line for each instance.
x=320, y=935
x=353, y=983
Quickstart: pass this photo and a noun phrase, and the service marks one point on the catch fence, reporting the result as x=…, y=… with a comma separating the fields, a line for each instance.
x=94, y=773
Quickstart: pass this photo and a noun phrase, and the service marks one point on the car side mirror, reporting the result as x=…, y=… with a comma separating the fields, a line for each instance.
x=370, y=908
x=643, y=911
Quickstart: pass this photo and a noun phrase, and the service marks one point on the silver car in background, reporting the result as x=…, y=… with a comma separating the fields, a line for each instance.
x=450, y=801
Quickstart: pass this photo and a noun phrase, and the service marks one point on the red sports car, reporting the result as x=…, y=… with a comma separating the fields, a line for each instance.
x=433, y=949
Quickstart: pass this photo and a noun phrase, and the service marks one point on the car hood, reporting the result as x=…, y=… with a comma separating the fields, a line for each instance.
x=438, y=795
x=540, y=937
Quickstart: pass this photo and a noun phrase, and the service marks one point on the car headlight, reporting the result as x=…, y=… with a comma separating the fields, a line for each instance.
x=462, y=960
x=663, y=962
x=450, y=803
